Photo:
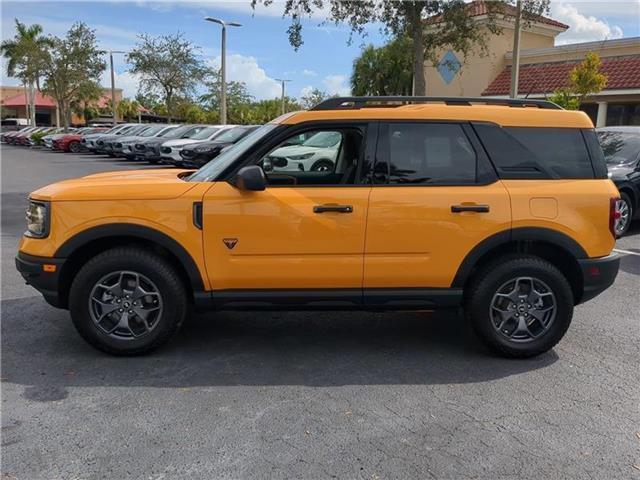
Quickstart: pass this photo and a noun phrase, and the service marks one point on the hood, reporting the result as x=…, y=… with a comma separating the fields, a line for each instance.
x=179, y=142
x=619, y=171
x=156, y=184
x=212, y=145
x=129, y=139
x=93, y=136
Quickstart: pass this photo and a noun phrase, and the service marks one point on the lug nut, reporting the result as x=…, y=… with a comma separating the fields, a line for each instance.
x=120, y=310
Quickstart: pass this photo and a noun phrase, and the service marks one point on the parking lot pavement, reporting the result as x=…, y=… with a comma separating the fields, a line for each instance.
x=310, y=395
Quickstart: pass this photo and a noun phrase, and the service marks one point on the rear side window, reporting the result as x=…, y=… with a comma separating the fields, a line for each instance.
x=425, y=153
x=523, y=152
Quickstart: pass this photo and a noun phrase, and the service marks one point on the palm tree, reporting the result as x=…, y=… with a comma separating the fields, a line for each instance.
x=128, y=108
x=25, y=55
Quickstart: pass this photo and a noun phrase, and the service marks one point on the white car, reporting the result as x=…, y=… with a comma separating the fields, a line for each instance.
x=170, y=151
x=316, y=154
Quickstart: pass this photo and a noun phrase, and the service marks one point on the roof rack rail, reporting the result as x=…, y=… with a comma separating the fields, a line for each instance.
x=354, y=103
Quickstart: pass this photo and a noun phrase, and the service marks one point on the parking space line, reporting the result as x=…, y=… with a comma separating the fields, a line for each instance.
x=626, y=252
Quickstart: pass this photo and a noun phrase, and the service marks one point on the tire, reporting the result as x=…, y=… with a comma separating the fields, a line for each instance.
x=75, y=147
x=485, y=304
x=322, y=165
x=165, y=311
x=625, y=205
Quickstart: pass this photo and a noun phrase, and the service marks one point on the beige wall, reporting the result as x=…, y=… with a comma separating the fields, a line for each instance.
x=479, y=71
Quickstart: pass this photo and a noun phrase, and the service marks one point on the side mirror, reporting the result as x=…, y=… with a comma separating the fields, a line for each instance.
x=251, y=178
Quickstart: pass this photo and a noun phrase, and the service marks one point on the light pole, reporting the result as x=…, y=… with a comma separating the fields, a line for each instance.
x=282, y=82
x=223, y=61
x=113, y=87
x=515, y=54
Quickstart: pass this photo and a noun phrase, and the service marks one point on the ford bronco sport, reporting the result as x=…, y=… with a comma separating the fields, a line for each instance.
x=502, y=207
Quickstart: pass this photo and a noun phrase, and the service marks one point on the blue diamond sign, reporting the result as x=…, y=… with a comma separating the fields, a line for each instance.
x=449, y=66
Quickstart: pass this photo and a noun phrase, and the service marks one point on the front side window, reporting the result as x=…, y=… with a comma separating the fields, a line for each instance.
x=424, y=153
x=324, y=157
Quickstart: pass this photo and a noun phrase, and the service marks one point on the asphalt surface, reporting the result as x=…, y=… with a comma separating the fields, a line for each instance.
x=310, y=395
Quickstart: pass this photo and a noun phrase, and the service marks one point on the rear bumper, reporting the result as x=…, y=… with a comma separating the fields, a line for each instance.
x=46, y=282
x=598, y=274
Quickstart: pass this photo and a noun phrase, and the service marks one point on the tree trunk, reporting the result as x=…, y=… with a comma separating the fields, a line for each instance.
x=419, y=78
x=32, y=103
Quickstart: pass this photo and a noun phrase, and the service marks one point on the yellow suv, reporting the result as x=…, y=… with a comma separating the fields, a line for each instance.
x=502, y=207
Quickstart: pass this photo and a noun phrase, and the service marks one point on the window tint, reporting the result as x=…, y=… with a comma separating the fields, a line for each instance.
x=425, y=153
x=523, y=152
x=325, y=157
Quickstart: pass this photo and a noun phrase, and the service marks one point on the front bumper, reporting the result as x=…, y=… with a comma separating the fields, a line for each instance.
x=598, y=274
x=33, y=271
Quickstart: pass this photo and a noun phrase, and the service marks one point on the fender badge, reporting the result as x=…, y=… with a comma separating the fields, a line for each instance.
x=230, y=242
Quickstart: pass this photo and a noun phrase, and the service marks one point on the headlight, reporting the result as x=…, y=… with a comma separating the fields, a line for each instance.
x=301, y=157
x=37, y=219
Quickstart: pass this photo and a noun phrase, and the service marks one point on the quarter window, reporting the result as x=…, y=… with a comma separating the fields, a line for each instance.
x=425, y=153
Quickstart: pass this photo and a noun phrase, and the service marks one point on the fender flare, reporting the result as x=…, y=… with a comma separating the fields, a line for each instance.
x=539, y=234
x=140, y=232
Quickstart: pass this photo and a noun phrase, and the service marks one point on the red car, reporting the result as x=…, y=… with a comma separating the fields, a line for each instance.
x=23, y=138
x=71, y=142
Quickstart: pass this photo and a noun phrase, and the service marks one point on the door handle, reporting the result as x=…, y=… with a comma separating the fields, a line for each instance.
x=469, y=208
x=331, y=207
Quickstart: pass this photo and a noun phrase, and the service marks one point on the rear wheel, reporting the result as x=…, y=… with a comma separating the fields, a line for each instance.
x=74, y=147
x=127, y=301
x=520, y=306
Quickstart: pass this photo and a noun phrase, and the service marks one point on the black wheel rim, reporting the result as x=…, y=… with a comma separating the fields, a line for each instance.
x=523, y=309
x=125, y=305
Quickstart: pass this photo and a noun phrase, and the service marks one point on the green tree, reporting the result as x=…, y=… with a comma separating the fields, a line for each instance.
x=169, y=67
x=25, y=55
x=586, y=78
x=450, y=24
x=383, y=71
x=72, y=68
x=87, y=95
x=313, y=98
x=128, y=109
x=238, y=97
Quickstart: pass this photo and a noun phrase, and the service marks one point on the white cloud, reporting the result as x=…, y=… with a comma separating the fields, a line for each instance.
x=582, y=28
x=337, y=85
x=304, y=91
x=309, y=73
x=127, y=81
x=246, y=69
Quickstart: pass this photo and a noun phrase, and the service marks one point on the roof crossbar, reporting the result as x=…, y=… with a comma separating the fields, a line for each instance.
x=354, y=103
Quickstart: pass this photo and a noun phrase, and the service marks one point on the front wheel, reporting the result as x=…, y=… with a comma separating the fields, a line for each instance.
x=322, y=165
x=520, y=306
x=74, y=147
x=128, y=301
x=625, y=208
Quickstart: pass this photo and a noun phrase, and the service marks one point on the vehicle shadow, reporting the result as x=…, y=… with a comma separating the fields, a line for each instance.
x=45, y=354
x=630, y=264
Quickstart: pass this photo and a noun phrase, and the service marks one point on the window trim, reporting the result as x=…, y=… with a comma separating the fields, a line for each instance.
x=485, y=170
x=369, y=137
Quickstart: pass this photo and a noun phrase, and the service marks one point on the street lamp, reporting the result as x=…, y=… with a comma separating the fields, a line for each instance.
x=223, y=86
x=113, y=87
x=282, y=82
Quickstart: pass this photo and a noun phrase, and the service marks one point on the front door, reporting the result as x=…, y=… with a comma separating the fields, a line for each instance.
x=304, y=233
x=435, y=197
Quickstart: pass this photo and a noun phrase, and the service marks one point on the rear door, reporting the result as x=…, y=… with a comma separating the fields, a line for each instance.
x=435, y=197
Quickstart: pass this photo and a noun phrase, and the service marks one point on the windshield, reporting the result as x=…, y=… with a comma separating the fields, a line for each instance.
x=214, y=168
x=323, y=140
x=619, y=148
x=165, y=133
x=205, y=133
x=151, y=131
x=177, y=132
x=232, y=135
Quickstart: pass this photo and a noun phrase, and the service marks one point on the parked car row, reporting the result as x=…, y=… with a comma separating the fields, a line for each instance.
x=166, y=144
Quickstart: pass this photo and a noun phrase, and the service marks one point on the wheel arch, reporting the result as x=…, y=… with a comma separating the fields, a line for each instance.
x=551, y=245
x=82, y=246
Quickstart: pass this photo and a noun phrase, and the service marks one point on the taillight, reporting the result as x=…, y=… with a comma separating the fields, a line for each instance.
x=614, y=215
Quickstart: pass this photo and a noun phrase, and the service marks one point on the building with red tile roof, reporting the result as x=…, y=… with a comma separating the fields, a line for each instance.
x=544, y=66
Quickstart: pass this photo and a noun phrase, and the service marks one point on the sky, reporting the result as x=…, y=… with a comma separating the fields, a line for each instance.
x=259, y=51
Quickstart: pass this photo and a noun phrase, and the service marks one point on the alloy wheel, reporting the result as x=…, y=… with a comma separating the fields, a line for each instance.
x=622, y=222
x=523, y=309
x=125, y=305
